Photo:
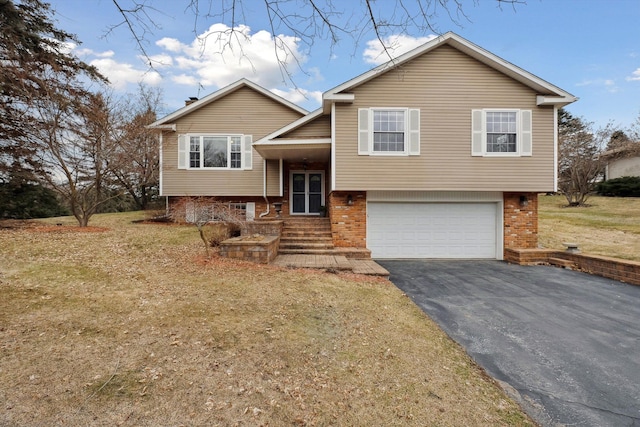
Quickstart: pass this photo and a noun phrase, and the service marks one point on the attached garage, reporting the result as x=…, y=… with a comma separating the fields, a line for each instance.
x=435, y=225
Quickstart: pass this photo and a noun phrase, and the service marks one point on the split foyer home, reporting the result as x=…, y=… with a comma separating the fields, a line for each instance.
x=440, y=153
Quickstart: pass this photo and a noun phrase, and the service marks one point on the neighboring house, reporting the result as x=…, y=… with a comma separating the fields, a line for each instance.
x=438, y=154
x=622, y=162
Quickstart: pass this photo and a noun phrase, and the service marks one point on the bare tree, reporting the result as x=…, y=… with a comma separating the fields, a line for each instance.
x=74, y=141
x=634, y=131
x=305, y=20
x=134, y=162
x=580, y=164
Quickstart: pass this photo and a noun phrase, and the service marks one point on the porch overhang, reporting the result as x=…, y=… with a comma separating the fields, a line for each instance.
x=310, y=150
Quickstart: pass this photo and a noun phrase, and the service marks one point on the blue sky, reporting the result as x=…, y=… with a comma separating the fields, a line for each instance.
x=590, y=48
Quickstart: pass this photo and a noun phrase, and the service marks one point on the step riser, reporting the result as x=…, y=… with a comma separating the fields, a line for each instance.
x=306, y=240
x=318, y=236
x=306, y=230
x=310, y=236
x=301, y=247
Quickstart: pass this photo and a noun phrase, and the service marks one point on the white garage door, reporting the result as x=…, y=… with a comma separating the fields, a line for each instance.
x=432, y=230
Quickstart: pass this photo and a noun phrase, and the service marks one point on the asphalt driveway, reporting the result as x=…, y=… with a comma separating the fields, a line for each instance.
x=564, y=343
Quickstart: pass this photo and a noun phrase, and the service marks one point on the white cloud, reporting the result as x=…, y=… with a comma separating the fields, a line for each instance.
x=172, y=45
x=183, y=79
x=159, y=61
x=106, y=54
x=635, y=76
x=586, y=83
x=299, y=96
x=222, y=55
x=608, y=84
x=396, y=46
x=120, y=74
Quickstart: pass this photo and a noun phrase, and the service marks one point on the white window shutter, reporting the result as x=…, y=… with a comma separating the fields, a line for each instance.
x=526, y=142
x=477, y=132
x=247, y=152
x=414, y=132
x=363, y=132
x=183, y=152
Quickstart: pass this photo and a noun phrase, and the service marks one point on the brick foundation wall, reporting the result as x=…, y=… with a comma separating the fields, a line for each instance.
x=261, y=205
x=611, y=268
x=348, y=222
x=520, y=222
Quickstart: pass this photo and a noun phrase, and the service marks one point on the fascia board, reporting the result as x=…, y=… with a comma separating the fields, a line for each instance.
x=554, y=100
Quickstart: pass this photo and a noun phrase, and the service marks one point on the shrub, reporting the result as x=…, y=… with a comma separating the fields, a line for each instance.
x=217, y=232
x=626, y=186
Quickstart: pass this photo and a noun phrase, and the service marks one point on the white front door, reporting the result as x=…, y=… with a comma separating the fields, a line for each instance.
x=307, y=192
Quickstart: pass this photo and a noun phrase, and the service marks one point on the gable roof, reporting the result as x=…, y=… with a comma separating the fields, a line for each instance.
x=548, y=94
x=291, y=126
x=312, y=149
x=219, y=94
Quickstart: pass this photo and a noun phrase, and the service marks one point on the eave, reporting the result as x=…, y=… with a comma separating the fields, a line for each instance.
x=310, y=150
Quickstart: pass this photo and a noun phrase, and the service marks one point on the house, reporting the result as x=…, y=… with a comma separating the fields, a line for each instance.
x=622, y=162
x=440, y=153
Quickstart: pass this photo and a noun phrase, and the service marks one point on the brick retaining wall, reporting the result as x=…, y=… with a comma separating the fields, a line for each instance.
x=264, y=227
x=611, y=268
x=261, y=251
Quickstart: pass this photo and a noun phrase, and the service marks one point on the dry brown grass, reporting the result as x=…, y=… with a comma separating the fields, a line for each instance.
x=133, y=326
x=609, y=226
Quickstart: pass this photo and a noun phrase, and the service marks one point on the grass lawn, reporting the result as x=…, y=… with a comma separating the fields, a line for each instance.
x=610, y=226
x=129, y=324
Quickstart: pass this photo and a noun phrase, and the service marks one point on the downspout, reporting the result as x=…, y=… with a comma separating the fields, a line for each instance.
x=264, y=189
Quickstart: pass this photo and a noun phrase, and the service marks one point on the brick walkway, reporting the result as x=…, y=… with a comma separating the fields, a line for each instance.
x=335, y=262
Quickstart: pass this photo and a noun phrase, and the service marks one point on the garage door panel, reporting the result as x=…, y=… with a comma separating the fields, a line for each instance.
x=432, y=230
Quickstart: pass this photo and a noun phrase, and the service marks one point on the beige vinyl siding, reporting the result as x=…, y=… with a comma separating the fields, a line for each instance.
x=445, y=85
x=243, y=111
x=273, y=178
x=318, y=128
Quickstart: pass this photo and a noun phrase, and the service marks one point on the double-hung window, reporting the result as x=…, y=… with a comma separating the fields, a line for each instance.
x=501, y=131
x=214, y=151
x=497, y=132
x=388, y=131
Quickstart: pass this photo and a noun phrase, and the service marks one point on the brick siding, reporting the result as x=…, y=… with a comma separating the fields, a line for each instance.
x=348, y=222
x=520, y=221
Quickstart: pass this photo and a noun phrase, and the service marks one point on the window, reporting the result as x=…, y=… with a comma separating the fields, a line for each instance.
x=203, y=212
x=389, y=131
x=214, y=152
x=501, y=133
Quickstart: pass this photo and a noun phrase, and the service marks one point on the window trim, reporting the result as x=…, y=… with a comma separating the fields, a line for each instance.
x=229, y=137
x=372, y=132
x=411, y=132
x=479, y=130
x=485, y=140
